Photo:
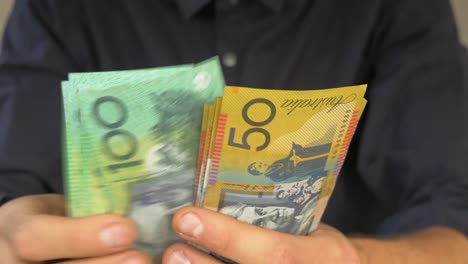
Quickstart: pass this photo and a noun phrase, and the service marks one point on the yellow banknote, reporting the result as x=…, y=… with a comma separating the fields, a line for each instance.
x=277, y=153
x=206, y=147
x=201, y=151
x=210, y=146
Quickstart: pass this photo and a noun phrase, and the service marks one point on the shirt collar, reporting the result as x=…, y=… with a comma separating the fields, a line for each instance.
x=188, y=8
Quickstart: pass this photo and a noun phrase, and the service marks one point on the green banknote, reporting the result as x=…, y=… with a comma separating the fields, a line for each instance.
x=131, y=144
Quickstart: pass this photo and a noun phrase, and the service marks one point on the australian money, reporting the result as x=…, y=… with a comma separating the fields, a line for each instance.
x=201, y=149
x=209, y=149
x=132, y=143
x=277, y=154
x=76, y=135
x=205, y=142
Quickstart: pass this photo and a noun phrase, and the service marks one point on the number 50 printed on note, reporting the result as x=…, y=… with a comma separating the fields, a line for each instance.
x=277, y=154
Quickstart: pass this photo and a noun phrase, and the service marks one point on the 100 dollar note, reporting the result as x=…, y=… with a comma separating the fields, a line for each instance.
x=277, y=154
x=132, y=144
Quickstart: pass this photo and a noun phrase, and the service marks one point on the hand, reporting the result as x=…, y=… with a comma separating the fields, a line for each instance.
x=246, y=243
x=34, y=229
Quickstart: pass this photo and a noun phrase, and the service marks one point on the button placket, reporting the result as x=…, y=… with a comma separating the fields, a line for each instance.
x=227, y=39
x=233, y=2
x=229, y=59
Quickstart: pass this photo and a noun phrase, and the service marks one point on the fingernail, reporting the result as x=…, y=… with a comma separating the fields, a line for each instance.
x=132, y=260
x=115, y=236
x=190, y=225
x=178, y=258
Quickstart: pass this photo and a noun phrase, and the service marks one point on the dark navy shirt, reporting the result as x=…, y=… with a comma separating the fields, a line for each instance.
x=407, y=165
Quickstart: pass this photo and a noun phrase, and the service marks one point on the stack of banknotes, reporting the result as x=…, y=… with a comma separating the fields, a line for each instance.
x=145, y=143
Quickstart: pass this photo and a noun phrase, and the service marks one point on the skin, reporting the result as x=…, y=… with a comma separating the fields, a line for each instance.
x=245, y=243
x=31, y=226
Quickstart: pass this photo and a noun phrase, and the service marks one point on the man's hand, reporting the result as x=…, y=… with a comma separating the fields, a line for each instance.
x=246, y=243
x=34, y=229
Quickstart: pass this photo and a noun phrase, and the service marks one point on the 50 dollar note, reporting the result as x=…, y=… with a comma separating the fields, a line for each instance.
x=277, y=154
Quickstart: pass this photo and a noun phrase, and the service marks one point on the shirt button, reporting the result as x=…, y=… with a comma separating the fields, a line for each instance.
x=230, y=59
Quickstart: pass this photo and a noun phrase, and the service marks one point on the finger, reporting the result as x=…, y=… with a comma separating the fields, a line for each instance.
x=185, y=254
x=45, y=237
x=15, y=211
x=38, y=204
x=7, y=255
x=51, y=204
x=324, y=229
x=235, y=240
x=130, y=257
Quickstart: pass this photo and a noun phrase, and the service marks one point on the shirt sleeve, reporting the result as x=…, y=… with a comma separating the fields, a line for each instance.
x=34, y=59
x=413, y=150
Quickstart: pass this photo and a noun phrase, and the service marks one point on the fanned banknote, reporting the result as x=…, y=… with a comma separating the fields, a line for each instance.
x=145, y=143
x=208, y=150
x=276, y=154
x=131, y=144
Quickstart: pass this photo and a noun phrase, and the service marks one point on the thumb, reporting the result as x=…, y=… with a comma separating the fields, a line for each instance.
x=235, y=240
x=18, y=209
x=34, y=225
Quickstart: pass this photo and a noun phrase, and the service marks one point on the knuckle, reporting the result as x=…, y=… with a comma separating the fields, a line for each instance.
x=335, y=253
x=341, y=252
x=23, y=240
x=9, y=212
x=281, y=252
x=22, y=244
x=6, y=253
x=16, y=239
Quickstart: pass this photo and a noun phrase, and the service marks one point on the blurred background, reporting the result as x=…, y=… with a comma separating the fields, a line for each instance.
x=460, y=7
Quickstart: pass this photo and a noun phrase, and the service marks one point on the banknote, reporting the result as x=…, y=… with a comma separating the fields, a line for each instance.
x=145, y=143
x=201, y=149
x=210, y=147
x=131, y=144
x=205, y=143
x=276, y=154
x=76, y=135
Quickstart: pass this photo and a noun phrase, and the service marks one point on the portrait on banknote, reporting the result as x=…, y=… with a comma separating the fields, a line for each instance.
x=290, y=209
